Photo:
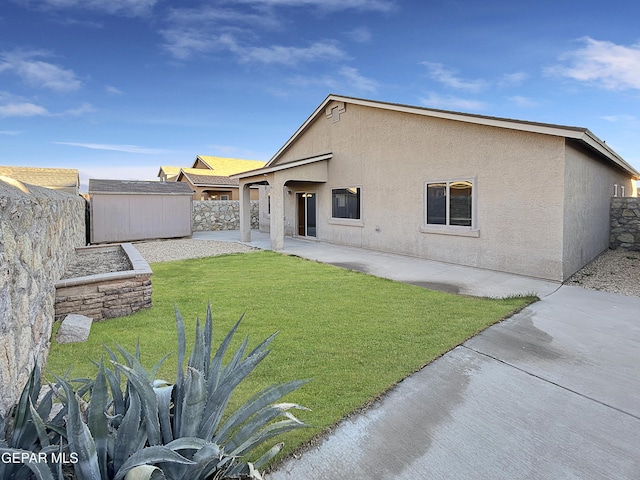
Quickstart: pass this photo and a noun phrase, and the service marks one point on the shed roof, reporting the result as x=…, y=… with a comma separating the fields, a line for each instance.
x=138, y=187
x=55, y=178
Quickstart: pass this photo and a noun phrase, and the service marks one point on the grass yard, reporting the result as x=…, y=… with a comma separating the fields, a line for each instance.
x=355, y=335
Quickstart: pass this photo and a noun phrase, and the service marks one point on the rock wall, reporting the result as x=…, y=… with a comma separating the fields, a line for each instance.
x=106, y=295
x=39, y=229
x=211, y=215
x=625, y=223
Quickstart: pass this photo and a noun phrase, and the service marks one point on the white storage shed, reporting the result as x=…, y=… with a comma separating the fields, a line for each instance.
x=130, y=210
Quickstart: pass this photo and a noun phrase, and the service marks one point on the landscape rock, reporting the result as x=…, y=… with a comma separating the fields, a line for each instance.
x=74, y=328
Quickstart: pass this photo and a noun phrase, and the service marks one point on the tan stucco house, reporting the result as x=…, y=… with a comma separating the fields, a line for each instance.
x=507, y=195
x=208, y=177
x=62, y=179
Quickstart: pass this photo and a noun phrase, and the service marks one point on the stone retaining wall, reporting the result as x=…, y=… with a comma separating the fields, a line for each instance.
x=625, y=223
x=39, y=230
x=211, y=215
x=106, y=295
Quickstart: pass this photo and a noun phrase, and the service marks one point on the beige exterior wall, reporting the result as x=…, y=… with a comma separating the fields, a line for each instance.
x=518, y=182
x=124, y=217
x=589, y=186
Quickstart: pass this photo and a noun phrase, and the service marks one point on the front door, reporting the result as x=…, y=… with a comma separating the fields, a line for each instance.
x=306, y=214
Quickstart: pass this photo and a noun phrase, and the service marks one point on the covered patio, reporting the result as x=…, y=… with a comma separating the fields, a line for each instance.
x=284, y=180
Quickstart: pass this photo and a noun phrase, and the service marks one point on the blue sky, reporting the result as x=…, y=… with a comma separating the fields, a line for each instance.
x=116, y=88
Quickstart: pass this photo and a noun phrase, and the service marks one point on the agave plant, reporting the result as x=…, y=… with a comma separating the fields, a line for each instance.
x=151, y=429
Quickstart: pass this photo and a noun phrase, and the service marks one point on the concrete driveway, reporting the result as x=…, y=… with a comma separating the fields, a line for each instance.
x=551, y=393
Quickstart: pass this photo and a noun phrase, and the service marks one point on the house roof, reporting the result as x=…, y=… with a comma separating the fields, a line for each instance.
x=138, y=187
x=56, y=178
x=223, y=166
x=206, y=178
x=169, y=171
x=579, y=134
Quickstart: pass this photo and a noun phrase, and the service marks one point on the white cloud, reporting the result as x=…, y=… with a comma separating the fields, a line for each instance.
x=39, y=74
x=450, y=102
x=360, y=35
x=333, y=5
x=603, y=63
x=447, y=77
x=513, y=78
x=619, y=118
x=116, y=148
x=285, y=55
x=345, y=78
x=113, y=90
x=521, y=101
x=124, y=7
x=23, y=109
x=11, y=133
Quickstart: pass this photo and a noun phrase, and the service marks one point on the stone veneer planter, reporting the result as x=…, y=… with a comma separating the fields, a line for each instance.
x=106, y=295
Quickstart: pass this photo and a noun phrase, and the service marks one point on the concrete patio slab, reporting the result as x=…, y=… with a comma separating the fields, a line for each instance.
x=424, y=273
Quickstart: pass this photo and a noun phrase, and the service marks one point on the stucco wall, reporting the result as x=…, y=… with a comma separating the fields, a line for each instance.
x=212, y=215
x=589, y=184
x=39, y=229
x=518, y=178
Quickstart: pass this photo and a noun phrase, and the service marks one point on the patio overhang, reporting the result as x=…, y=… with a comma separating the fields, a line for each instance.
x=313, y=169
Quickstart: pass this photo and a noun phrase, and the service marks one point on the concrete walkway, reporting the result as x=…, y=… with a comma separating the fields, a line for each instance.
x=551, y=393
x=425, y=273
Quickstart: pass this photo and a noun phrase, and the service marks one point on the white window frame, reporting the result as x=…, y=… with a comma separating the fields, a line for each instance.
x=460, y=230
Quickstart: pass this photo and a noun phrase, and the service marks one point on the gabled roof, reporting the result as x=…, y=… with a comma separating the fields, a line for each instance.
x=205, y=178
x=579, y=134
x=223, y=166
x=169, y=171
x=124, y=187
x=55, y=178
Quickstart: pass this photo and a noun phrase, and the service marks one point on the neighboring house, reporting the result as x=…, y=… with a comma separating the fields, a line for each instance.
x=507, y=195
x=64, y=179
x=128, y=210
x=168, y=174
x=209, y=177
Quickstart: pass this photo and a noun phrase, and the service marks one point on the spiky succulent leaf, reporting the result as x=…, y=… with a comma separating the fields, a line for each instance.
x=268, y=396
x=140, y=383
x=163, y=392
x=145, y=472
x=151, y=455
x=178, y=389
x=195, y=400
x=97, y=420
x=127, y=433
x=79, y=437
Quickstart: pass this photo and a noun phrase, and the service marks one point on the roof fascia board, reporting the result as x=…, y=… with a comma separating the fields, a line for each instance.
x=284, y=166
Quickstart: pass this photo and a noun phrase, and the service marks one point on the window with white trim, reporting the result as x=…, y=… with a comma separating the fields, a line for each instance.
x=449, y=203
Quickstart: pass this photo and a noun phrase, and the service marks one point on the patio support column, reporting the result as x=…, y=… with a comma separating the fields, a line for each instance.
x=276, y=223
x=245, y=212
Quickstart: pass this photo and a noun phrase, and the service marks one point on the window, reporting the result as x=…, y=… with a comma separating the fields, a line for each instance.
x=450, y=203
x=345, y=203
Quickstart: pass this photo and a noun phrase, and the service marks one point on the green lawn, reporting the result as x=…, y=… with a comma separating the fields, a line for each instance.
x=356, y=335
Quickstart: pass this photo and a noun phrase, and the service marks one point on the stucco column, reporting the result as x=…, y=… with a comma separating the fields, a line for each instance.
x=245, y=212
x=276, y=222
